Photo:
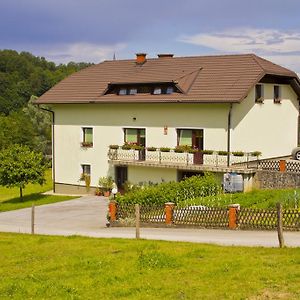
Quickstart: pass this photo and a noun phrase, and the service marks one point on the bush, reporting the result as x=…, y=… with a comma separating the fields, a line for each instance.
x=192, y=187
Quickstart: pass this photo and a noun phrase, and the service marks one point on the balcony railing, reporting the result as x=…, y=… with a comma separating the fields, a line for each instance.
x=173, y=157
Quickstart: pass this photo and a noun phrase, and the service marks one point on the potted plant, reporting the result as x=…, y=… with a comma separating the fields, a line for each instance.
x=208, y=152
x=256, y=153
x=164, y=149
x=238, y=153
x=151, y=148
x=126, y=147
x=223, y=153
x=87, y=144
x=106, y=184
x=179, y=149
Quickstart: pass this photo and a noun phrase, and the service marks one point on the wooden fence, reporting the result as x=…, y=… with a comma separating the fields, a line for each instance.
x=232, y=217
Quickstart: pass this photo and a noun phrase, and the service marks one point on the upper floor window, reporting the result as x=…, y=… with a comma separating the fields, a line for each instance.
x=259, y=93
x=87, y=137
x=135, y=136
x=277, y=94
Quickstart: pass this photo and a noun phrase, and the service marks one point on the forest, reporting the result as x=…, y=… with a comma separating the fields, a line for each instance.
x=23, y=78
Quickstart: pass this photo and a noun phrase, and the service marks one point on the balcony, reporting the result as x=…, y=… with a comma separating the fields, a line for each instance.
x=170, y=158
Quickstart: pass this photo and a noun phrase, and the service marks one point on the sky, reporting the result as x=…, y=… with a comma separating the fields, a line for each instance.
x=93, y=30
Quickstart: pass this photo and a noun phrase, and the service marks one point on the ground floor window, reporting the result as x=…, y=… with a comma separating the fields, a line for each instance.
x=85, y=171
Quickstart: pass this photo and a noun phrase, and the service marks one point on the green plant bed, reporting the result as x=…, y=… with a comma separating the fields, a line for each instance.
x=48, y=267
x=190, y=188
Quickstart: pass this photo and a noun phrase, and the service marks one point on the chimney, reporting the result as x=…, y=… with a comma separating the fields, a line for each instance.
x=140, y=58
x=165, y=55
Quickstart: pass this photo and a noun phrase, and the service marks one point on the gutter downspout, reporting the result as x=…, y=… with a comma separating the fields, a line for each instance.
x=53, y=148
x=228, y=134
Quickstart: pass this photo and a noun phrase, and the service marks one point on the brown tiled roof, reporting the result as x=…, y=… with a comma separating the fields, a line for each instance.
x=224, y=78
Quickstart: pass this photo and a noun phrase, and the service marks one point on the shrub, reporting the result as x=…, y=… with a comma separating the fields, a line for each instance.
x=192, y=187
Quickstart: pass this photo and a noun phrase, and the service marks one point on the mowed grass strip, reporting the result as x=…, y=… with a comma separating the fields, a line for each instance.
x=9, y=197
x=47, y=267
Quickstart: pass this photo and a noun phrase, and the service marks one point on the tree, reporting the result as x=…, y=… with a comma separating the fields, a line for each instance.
x=20, y=166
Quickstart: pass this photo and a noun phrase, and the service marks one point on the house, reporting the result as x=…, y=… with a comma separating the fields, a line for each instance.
x=227, y=104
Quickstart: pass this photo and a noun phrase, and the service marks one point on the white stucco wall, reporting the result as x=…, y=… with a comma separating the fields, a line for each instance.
x=154, y=175
x=268, y=127
x=108, y=122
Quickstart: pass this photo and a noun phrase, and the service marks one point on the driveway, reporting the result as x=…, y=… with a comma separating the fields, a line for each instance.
x=87, y=217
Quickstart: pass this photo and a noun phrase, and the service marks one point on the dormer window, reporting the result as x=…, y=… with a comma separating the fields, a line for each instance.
x=123, y=92
x=157, y=91
x=169, y=90
x=132, y=91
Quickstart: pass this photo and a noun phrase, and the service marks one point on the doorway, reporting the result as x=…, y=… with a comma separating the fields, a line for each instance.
x=121, y=176
x=194, y=139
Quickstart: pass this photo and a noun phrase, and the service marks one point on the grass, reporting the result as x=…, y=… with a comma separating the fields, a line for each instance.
x=9, y=198
x=290, y=198
x=47, y=267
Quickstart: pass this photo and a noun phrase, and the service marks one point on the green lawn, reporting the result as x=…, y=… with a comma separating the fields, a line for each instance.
x=290, y=198
x=47, y=267
x=9, y=198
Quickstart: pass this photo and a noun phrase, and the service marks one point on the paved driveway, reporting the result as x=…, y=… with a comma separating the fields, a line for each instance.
x=87, y=217
x=87, y=213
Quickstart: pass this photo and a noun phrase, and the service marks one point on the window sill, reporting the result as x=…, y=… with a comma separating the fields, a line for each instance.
x=86, y=145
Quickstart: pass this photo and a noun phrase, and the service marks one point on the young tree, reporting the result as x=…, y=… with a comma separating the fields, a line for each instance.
x=20, y=166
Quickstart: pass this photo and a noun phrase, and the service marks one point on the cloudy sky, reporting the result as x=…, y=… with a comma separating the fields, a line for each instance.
x=93, y=30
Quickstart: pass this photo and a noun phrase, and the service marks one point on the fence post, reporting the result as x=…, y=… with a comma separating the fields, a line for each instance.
x=137, y=221
x=233, y=209
x=282, y=165
x=32, y=218
x=169, y=208
x=112, y=206
x=279, y=225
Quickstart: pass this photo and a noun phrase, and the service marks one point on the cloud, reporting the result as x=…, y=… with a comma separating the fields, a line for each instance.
x=248, y=40
x=78, y=52
x=282, y=47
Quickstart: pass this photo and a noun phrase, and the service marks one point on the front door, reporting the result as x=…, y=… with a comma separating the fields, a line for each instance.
x=121, y=178
x=197, y=143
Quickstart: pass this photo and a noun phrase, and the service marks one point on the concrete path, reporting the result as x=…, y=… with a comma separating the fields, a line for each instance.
x=87, y=217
